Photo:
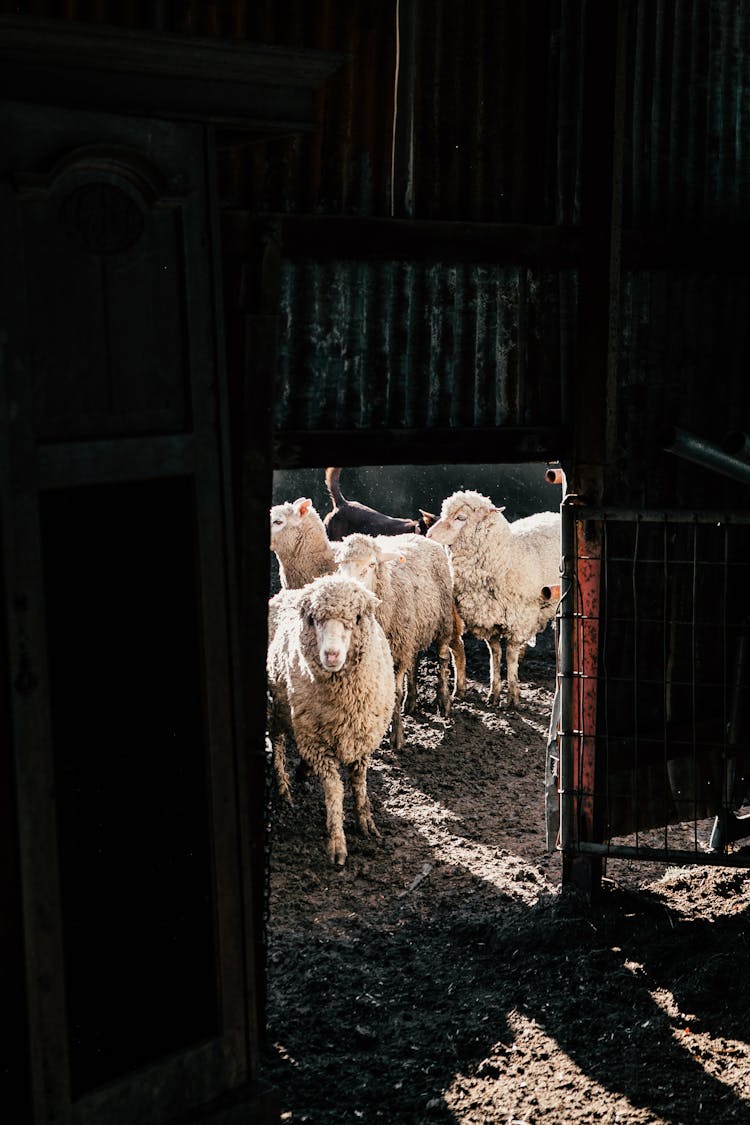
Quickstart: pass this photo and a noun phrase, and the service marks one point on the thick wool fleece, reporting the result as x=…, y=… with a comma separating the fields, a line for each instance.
x=416, y=606
x=336, y=718
x=499, y=569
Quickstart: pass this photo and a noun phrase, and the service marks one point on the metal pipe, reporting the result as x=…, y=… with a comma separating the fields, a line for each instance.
x=664, y=515
x=692, y=448
x=554, y=476
x=550, y=592
x=737, y=442
x=665, y=855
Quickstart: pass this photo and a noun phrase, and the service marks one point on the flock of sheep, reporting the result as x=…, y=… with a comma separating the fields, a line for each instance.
x=363, y=595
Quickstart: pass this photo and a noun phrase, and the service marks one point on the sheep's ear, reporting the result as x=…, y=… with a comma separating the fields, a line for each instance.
x=482, y=513
x=391, y=556
x=303, y=505
x=428, y=517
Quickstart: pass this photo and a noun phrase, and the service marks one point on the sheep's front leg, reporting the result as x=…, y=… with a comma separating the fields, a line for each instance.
x=458, y=652
x=410, y=705
x=278, y=742
x=397, y=726
x=444, y=679
x=333, y=790
x=362, y=807
x=496, y=656
x=513, y=655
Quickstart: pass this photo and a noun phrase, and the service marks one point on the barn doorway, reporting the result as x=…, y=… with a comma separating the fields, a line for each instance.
x=353, y=957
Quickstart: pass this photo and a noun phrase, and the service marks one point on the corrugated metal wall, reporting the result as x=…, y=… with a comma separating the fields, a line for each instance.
x=689, y=157
x=684, y=353
x=406, y=345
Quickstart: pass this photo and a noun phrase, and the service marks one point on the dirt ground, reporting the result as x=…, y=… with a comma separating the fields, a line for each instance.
x=446, y=975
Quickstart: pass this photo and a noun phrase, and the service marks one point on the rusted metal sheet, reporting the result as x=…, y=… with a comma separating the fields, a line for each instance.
x=690, y=77
x=407, y=345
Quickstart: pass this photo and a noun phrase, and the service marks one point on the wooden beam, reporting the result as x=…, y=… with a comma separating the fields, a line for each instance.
x=352, y=238
x=346, y=237
x=246, y=87
x=311, y=449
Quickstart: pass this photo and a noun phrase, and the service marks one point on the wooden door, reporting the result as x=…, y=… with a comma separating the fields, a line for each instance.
x=119, y=599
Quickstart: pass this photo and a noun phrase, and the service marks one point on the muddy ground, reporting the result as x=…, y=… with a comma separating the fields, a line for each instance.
x=446, y=975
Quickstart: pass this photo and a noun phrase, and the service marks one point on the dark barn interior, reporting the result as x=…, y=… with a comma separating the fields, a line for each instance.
x=260, y=235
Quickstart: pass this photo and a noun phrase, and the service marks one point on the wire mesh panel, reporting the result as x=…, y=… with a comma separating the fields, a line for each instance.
x=654, y=679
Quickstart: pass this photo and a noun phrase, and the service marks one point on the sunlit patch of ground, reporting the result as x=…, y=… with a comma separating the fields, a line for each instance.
x=531, y=1079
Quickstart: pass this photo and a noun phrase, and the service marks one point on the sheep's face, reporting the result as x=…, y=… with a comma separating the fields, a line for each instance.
x=359, y=559
x=449, y=527
x=287, y=519
x=333, y=611
x=360, y=568
x=461, y=511
x=332, y=638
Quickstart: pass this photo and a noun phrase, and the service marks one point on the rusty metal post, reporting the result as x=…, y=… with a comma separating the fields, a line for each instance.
x=566, y=670
x=579, y=667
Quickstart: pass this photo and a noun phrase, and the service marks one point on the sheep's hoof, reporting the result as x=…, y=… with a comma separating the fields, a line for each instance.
x=444, y=707
x=367, y=828
x=285, y=794
x=337, y=852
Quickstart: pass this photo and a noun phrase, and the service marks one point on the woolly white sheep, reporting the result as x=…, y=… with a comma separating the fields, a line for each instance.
x=331, y=686
x=499, y=570
x=300, y=543
x=413, y=580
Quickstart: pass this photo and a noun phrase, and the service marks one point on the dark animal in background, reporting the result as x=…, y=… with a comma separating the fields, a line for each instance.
x=349, y=516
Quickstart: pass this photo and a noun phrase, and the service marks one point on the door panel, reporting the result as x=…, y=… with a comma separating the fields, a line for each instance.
x=120, y=603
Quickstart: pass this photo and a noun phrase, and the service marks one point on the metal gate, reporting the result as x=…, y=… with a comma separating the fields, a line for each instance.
x=653, y=686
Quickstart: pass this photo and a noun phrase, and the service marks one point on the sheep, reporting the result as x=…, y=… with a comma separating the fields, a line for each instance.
x=413, y=580
x=349, y=516
x=332, y=687
x=499, y=570
x=300, y=543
